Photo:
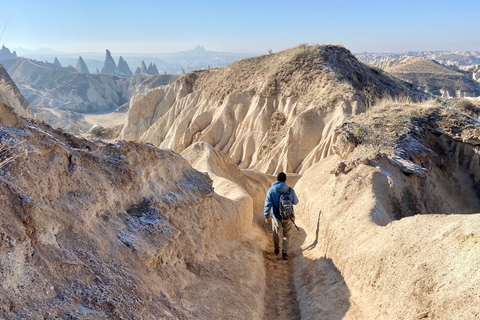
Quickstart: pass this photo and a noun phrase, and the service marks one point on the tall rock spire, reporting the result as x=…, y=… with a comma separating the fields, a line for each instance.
x=143, y=67
x=57, y=63
x=109, y=66
x=152, y=69
x=81, y=66
x=123, y=67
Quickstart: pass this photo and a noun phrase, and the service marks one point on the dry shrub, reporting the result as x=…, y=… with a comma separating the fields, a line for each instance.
x=469, y=106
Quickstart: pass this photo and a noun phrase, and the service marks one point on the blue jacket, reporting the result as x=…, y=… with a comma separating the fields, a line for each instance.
x=273, y=197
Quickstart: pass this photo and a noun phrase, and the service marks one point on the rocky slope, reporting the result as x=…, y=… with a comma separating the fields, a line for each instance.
x=92, y=230
x=435, y=78
x=270, y=113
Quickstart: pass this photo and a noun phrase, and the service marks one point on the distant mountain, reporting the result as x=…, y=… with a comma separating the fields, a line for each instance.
x=458, y=58
x=22, y=51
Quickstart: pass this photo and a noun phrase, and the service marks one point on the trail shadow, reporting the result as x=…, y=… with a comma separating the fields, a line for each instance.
x=320, y=287
x=314, y=243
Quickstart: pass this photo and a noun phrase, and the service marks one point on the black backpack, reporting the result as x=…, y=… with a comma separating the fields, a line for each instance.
x=285, y=206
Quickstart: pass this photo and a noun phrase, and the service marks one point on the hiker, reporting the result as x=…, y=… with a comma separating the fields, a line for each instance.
x=272, y=201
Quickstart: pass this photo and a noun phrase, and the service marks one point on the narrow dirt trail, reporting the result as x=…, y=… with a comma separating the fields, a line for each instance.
x=280, y=297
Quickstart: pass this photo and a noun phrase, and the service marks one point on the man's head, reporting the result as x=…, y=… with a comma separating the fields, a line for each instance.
x=282, y=177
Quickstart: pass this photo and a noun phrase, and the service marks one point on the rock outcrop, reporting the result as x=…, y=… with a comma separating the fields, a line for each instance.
x=474, y=70
x=123, y=68
x=81, y=66
x=5, y=54
x=11, y=96
x=270, y=113
x=109, y=66
x=57, y=63
x=152, y=69
x=143, y=68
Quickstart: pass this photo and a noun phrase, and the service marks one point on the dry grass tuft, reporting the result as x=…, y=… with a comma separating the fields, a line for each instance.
x=469, y=106
x=9, y=151
x=388, y=122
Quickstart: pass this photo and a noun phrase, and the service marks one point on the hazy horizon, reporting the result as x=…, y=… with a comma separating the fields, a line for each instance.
x=166, y=26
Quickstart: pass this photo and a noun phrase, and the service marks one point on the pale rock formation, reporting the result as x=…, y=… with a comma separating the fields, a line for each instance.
x=11, y=96
x=143, y=68
x=228, y=180
x=5, y=54
x=81, y=66
x=48, y=87
x=475, y=71
x=123, y=68
x=109, y=66
x=152, y=69
x=262, y=111
x=57, y=63
x=137, y=71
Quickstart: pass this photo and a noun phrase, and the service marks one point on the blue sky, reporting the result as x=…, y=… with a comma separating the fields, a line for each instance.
x=239, y=26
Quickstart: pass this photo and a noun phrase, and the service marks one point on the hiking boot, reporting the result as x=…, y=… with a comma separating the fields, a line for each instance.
x=277, y=251
x=284, y=256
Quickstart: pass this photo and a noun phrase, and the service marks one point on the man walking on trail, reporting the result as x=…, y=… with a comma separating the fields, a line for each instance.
x=272, y=201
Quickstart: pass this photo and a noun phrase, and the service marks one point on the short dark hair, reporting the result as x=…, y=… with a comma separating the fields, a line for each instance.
x=282, y=177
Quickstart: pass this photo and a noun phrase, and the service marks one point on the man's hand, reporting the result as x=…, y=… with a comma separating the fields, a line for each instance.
x=267, y=221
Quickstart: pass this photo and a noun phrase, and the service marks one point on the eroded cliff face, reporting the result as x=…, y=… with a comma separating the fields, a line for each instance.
x=124, y=230
x=398, y=227
x=271, y=113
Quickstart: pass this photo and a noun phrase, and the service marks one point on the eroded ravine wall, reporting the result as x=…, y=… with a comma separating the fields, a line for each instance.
x=121, y=230
x=425, y=261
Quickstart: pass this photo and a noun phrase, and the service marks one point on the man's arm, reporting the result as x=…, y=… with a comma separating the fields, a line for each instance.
x=293, y=196
x=268, y=206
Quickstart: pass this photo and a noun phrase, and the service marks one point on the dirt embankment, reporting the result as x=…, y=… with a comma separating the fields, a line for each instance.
x=93, y=230
x=398, y=227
